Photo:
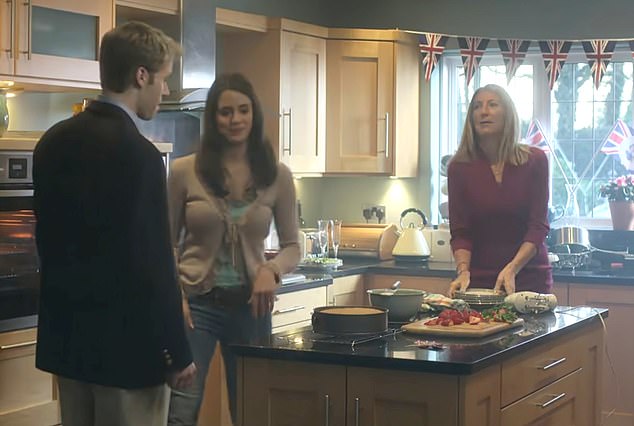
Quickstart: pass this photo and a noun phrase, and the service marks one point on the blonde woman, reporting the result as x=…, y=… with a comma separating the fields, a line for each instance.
x=498, y=201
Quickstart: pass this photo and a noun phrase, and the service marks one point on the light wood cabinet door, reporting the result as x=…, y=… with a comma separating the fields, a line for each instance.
x=561, y=291
x=302, y=135
x=618, y=375
x=28, y=396
x=360, y=113
x=59, y=39
x=388, y=397
x=7, y=37
x=283, y=393
x=288, y=71
x=429, y=284
x=348, y=291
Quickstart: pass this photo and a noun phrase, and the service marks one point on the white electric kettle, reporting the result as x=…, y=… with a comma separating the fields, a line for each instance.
x=412, y=245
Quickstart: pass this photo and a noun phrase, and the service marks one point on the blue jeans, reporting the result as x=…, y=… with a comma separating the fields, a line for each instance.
x=214, y=324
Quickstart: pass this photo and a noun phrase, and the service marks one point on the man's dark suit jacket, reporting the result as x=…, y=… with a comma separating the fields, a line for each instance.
x=110, y=308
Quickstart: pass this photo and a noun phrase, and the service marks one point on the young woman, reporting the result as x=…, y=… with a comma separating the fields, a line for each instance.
x=498, y=201
x=222, y=201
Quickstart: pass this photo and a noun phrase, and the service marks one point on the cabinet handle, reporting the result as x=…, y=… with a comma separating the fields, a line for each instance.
x=11, y=5
x=327, y=398
x=290, y=131
x=387, y=134
x=287, y=310
x=554, y=363
x=356, y=411
x=554, y=399
x=18, y=345
x=29, y=22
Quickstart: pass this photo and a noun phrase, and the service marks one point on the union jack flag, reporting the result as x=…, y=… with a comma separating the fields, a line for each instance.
x=599, y=53
x=431, y=47
x=535, y=136
x=618, y=134
x=513, y=53
x=471, y=49
x=555, y=54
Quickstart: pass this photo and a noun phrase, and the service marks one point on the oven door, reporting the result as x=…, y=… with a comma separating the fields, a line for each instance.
x=19, y=265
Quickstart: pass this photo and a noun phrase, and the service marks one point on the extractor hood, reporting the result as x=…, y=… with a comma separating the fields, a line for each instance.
x=198, y=62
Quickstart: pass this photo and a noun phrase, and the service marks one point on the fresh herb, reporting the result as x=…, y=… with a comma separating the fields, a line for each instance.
x=501, y=313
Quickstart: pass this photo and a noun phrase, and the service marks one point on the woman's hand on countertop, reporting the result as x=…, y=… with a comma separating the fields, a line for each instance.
x=461, y=283
x=506, y=279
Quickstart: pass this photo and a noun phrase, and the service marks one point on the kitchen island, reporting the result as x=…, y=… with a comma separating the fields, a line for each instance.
x=549, y=370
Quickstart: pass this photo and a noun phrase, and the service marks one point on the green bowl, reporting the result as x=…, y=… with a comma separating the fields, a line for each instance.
x=402, y=304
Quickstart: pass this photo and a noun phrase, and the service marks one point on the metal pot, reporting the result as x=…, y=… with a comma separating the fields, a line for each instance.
x=342, y=320
x=570, y=239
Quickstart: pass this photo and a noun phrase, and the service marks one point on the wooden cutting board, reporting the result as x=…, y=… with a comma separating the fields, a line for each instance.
x=465, y=330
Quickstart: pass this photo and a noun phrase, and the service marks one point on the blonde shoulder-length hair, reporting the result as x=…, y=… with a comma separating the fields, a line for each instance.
x=509, y=148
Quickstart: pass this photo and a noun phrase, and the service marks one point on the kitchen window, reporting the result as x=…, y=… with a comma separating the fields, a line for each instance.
x=575, y=116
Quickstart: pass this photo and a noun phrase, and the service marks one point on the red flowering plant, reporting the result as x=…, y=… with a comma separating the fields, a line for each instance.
x=619, y=189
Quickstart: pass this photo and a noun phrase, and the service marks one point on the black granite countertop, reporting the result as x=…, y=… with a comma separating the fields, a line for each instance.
x=442, y=269
x=460, y=355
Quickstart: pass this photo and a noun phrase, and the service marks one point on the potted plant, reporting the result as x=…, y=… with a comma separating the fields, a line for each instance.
x=620, y=195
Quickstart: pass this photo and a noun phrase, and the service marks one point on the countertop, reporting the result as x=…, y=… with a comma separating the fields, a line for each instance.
x=460, y=355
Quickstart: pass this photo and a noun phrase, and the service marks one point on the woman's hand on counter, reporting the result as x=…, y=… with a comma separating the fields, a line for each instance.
x=461, y=283
x=506, y=279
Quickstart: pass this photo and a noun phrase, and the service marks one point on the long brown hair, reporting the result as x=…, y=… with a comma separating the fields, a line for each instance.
x=510, y=149
x=261, y=157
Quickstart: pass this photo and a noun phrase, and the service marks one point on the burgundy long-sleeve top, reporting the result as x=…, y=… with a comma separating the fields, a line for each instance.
x=492, y=219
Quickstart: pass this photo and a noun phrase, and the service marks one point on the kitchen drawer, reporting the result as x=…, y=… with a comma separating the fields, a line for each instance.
x=540, y=367
x=560, y=403
x=295, y=307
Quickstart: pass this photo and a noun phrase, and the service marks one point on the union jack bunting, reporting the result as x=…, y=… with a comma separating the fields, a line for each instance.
x=599, y=53
x=471, y=50
x=555, y=54
x=513, y=53
x=535, y=136
x=431, y=47
x=617, y=135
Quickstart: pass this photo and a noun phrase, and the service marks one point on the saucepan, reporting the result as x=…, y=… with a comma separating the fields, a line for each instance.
x=570, y=239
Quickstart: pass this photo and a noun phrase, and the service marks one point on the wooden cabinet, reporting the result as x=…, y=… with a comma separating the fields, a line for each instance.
x=551, y=384
x=561, y=291
x=295, y=309
x=618, y=383
x=372, y=103
x=54, y=39
x=286, y=64
x=28, y=396
x=430, y=284
x=348, y=290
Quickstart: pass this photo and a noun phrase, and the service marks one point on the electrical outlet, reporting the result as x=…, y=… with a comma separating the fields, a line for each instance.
x=380, y=213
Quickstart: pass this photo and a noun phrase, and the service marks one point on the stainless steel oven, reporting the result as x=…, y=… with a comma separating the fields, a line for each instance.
x=19, y=266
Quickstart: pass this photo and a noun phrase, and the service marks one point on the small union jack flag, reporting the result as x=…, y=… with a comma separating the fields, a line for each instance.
x=513, y=53
x=471, y=49
x=431, y=47
x=617, y=135
x=536, y=137
x=555, y=54
x=599, y=53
